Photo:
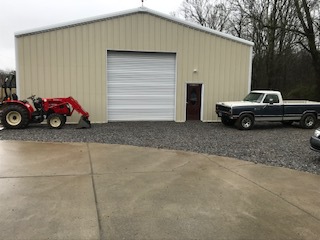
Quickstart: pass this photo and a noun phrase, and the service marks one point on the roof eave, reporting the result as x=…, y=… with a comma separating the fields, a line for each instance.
x=128, y=12
x=76, y=22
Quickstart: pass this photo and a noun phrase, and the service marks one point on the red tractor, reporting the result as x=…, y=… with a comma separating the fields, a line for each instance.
x=16, y=114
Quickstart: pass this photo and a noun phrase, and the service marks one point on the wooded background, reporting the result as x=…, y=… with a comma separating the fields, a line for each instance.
x=286, y=36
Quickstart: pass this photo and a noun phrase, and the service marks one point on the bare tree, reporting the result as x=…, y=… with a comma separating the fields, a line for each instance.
x=265, y=23
x=207, y=13
x=309, y=30
x=283, y=32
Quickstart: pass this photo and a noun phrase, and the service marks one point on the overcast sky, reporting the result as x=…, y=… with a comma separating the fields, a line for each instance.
x=18, y=15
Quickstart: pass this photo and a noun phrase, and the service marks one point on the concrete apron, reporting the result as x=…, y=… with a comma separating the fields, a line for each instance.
x=100, y=191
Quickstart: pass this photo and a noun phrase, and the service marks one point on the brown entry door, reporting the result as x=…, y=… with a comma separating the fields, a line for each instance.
x=193, y=101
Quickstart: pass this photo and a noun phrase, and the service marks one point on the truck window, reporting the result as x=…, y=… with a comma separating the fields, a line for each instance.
x=253, y=97
x=274, y=97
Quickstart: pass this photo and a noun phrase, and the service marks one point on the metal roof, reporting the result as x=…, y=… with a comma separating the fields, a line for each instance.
x=129, y=12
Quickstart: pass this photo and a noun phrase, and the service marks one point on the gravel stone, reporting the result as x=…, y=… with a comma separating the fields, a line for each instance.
x=267, y=143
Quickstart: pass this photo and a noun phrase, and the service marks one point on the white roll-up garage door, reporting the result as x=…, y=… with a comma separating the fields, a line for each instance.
x=141, y=86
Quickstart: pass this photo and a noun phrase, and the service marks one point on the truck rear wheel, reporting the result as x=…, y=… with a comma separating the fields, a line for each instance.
x=15, y=116
x=308, y=121
x=56, y=120
x=245, y=122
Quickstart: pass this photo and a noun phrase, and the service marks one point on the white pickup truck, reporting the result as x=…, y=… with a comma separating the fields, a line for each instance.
x=268, y=106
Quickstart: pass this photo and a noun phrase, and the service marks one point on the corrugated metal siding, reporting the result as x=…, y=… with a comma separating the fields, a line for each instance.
x=71, y=61
x=141, y=86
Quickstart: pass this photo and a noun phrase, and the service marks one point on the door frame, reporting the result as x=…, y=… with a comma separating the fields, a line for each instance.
x=185, y=99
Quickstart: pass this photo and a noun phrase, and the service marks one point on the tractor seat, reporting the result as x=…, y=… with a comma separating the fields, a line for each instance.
x=14, y=96
x=38, y=103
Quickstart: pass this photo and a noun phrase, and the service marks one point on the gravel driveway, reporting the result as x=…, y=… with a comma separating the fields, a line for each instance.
x=268, y=143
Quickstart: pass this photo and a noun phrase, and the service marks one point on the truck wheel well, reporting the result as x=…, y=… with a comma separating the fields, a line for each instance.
x=247, y=113
x=310, y=112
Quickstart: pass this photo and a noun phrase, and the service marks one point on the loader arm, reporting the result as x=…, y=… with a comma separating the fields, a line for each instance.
x=84, y=119
x=56, y=102
x=76, y=106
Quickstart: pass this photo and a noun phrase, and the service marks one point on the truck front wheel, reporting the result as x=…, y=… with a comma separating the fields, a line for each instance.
x=245, y=122
x=308, y=121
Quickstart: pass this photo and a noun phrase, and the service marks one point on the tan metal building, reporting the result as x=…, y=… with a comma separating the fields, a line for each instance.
x=135, y=65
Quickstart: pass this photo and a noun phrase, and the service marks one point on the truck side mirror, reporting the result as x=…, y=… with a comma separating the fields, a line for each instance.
x=270, y=101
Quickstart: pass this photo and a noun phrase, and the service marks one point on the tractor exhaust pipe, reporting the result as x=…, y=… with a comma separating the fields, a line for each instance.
x=83, y=123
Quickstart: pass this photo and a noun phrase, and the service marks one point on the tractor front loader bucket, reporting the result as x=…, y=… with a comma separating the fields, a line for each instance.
x=84, y=123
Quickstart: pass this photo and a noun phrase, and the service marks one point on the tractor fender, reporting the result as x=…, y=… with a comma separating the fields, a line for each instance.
x=25, y=104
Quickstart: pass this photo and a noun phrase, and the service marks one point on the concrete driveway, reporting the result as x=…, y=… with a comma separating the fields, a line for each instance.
x=99, y=191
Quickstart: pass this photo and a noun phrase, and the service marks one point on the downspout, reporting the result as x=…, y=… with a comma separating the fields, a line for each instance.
x=250, y=68
x=17, y=66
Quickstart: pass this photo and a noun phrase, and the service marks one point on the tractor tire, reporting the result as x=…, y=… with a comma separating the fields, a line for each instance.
x=308, y=121
x=56, y=120
x=15, y=116
x=245, y=122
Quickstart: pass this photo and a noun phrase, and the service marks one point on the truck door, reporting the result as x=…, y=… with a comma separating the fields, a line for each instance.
x=271, y=109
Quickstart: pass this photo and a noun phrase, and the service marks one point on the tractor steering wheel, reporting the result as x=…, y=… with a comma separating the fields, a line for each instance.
x=31, y=97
